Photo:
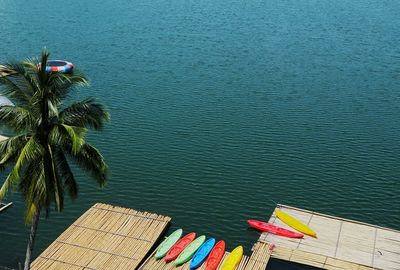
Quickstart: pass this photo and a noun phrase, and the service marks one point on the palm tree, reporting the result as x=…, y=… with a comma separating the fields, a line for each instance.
x=48, y=135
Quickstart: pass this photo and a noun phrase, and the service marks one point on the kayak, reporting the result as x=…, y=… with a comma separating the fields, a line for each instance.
x=233, y=259
x=266, y=227
x=216, y=255
x=168, y=243
x=187, y=254
x=294, y=223
x=202, y=253
x=174, y=252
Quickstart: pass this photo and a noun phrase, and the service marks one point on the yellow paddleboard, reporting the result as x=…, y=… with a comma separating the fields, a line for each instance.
x=233, y=259
x=294, y=223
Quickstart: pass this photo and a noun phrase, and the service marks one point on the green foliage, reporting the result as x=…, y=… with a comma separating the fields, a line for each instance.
x=48, y=135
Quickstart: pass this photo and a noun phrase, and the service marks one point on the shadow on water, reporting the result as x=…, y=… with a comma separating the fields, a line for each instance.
x=275, y=264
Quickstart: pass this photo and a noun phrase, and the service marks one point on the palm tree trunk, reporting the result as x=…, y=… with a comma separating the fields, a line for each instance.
x=31, y=242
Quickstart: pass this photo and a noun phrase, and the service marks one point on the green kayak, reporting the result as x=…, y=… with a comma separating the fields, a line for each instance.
x=189, y=251
x=167, y=244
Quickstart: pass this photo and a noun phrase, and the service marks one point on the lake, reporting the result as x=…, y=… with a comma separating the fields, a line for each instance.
x=221, y=108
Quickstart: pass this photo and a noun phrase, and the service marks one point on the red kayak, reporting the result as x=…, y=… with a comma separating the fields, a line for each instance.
x=266, y=227
x=174, y=252
x=215, y=256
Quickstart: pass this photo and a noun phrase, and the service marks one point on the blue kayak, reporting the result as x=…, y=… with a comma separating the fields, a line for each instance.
x=202, y=253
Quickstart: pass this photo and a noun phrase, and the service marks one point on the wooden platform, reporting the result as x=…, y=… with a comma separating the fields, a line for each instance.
x=108, y=237
x=153, y=264
x=341, y=243
x=105, y=237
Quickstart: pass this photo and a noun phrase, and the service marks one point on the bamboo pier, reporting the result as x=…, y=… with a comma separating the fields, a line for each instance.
x=105, y=237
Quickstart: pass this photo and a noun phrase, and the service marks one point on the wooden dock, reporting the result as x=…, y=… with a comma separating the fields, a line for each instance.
x=341, y=243
x=104, y=237
x=109, y=237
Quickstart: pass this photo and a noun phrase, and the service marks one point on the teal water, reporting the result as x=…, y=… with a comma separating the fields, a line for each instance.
x=219, y=107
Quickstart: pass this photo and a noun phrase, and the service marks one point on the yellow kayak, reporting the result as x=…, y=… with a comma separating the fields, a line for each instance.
x=294, y=223
x=233, y=259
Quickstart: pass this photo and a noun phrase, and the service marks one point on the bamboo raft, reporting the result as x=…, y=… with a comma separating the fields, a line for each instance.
x=4, y=206
x=341, y=243
x=104, y=237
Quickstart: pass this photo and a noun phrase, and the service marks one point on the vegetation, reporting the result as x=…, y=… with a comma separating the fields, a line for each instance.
x=47, y=136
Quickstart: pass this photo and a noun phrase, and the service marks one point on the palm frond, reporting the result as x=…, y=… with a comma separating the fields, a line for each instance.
x=77, y=136
x=34, y=188
x=16, y=88
x=31, y=210
x=65, y=173
x=87, y=113
x=15, y=118
x=11, y=147
x=59, y=136
x=53, y=110
x=31, y=150
x=10, y=182
x=92, y=162
x=62, y=84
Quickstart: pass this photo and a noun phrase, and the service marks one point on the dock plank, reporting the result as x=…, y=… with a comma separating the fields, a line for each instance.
x=260, y=257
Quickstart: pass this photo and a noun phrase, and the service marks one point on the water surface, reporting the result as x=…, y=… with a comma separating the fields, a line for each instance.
x=219, y=107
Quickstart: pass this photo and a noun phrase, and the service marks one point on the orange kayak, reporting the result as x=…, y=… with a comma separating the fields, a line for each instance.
x=174, y=252
x=216, y=255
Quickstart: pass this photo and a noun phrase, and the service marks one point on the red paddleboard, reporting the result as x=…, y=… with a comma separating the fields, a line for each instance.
x=266, y=227
x=174, y=252
x=215, y=256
